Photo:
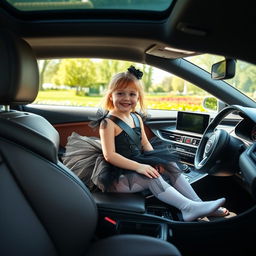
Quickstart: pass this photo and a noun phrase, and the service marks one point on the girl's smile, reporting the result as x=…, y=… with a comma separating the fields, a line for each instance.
x=125, y=100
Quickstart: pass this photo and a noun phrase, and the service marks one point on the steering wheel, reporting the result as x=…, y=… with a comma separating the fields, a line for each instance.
x=218, y=151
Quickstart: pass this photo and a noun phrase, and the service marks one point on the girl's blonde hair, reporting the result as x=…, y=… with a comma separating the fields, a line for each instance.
x=121, y=81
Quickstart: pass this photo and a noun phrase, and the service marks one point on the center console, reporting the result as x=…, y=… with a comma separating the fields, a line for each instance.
x=131, y=213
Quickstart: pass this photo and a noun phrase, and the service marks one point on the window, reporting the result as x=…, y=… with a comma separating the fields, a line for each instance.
x=82, y=82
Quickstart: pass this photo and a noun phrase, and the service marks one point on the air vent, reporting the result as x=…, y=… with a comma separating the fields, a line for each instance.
x=171, y=136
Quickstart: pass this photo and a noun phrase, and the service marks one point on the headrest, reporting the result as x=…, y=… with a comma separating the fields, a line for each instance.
x=31, y=131
x=19, y=70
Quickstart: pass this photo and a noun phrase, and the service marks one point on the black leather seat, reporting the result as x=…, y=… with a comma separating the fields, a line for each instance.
x=44, y=208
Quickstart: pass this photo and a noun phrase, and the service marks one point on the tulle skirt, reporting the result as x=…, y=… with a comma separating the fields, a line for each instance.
x=84, y=157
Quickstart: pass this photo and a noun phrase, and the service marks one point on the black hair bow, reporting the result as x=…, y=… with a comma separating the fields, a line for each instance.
x=136, y=72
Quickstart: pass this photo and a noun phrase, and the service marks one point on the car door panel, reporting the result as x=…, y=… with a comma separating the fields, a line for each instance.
x=72, y=119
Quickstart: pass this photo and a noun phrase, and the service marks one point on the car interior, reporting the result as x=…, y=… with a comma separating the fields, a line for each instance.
x=47, y=210
x=55, y=211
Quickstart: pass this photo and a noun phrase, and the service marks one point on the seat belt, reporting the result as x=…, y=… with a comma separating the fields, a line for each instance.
x=127, y=129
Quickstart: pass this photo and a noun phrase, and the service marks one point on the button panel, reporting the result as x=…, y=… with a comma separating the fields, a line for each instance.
x=190, y=140
x=185, y=144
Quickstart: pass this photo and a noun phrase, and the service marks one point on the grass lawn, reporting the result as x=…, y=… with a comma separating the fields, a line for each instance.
x=66, y=97
x=69, y=98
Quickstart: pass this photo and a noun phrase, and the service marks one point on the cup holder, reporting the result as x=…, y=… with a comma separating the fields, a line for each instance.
x=158, y=230
x=160, y=211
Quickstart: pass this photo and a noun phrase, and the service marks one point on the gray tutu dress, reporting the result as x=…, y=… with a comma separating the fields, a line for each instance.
x=84, y=155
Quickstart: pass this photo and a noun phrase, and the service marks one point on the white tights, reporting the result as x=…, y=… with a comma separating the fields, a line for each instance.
x=186, y=199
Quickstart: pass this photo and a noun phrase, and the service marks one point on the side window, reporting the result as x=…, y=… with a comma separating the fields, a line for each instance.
x=82, y=82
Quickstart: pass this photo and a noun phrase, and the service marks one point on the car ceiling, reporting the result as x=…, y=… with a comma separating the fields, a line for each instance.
x=218, y=27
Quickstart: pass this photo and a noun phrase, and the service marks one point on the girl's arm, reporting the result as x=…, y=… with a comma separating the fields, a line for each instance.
x=107, y=136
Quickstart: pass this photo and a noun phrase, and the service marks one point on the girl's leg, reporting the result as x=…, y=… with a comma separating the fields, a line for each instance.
x=179, y=181
x=163, y=191
x=184, y=187
x=130, y=183
x=190, y=210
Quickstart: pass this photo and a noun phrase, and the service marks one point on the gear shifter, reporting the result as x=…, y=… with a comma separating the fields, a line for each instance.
x=185, y=168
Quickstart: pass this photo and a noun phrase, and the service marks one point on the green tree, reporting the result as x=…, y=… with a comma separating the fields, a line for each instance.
x=79, y=73
x=47, y=68
x=51, y=70
x=166, y=83
x=42, y=64
x=191, y=89
x=147, y=76
x=177, y=84
x=245, y=77
x=107, y=68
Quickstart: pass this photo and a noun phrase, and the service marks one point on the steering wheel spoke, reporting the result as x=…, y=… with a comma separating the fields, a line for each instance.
x=202, y=163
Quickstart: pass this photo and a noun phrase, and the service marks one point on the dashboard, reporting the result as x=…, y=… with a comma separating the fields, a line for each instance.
x=184, y=143
x=187, y=134
x=185, y=140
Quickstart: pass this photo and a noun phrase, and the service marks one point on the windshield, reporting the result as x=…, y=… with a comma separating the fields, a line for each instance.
x=245, y=77
x=34, y=5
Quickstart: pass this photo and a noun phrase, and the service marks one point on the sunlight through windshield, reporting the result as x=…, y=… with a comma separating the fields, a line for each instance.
x=245, y=77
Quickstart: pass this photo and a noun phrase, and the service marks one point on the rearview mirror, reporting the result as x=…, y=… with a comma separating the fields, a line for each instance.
x=224, y=69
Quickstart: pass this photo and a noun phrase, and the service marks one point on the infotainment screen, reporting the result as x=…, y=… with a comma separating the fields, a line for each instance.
x=192, y=122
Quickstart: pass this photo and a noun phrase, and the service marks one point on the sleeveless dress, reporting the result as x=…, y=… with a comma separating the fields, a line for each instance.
x=127, y=144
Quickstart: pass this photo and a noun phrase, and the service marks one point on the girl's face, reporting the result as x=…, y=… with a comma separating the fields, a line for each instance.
x=125, y=100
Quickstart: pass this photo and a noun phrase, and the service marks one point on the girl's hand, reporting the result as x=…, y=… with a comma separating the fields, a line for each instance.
x=148, y=171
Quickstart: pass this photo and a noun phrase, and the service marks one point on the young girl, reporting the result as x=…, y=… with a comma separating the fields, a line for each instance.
x=136, y=165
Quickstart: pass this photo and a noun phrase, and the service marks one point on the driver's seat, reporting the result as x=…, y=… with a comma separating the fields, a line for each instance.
x=45, y=210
